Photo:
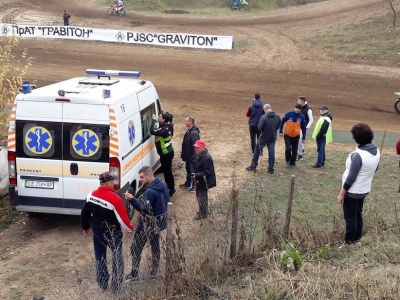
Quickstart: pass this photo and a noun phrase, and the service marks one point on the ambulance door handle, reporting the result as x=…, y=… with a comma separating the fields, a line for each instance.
x=73, y=168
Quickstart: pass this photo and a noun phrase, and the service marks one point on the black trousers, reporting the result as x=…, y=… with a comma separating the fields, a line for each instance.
x=254, y=135
x=202, y=200
x=166, y=165
x=352, y=210
x=291, y=145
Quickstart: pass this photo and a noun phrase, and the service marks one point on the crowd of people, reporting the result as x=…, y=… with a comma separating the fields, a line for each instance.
x=104, y=212
x=105, y=215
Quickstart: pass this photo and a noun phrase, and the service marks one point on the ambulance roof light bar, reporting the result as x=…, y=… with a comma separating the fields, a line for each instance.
x=113, y=73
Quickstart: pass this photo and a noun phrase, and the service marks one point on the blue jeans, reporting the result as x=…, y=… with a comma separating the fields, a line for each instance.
x=189, y=170
x=101, y=241
x=321, y=151
x=141, y=237
x=271, y=154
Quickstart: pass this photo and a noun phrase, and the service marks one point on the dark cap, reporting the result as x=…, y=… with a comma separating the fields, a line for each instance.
x=105, y=176
x=299, y=106
x=257, y=96
x=324, y=107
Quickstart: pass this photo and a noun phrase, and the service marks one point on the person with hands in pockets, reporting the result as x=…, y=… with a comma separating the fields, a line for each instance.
x=204, y=177
x=152, y=206
x=105, y=214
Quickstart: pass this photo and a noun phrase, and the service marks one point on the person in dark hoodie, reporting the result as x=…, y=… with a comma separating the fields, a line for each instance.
x=204, y=177
x=188, y=154
x=268, y=126
x=164, y=134
x=294, y=123
x=254, y=113
x=152, y=206
x=322, y=134
x=361, y=166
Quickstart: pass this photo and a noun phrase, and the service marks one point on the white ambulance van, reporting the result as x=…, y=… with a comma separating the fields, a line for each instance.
x=62, y=136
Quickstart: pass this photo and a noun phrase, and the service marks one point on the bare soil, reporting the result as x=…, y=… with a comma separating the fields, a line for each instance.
x=216, y=87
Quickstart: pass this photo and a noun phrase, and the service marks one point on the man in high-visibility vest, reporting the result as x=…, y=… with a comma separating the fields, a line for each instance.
x=322, y=134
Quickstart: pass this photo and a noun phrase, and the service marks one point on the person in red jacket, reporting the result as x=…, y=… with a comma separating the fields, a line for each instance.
x=104, y=213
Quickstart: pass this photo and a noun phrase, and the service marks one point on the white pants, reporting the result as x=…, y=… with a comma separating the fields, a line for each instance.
x=300, y=148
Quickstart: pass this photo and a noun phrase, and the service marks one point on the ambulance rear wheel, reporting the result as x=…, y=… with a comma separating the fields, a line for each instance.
x=397, y=106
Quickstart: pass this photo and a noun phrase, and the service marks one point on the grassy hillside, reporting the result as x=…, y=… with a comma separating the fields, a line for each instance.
x=374, y=40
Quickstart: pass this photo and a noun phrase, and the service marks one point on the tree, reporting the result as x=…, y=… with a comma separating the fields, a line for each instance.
x=394, y=7
x=14, y=67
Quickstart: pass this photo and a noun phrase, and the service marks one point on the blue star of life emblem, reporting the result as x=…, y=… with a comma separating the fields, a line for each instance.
x=38, y=140
x=85, y=142
x=131, y=132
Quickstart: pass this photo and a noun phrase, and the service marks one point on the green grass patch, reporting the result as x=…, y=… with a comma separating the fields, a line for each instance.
x=374, y=40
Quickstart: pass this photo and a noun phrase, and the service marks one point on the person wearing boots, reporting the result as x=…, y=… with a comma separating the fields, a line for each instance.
x=164, y=133
x=254, y=113
x=268, y=126
x=204, y=178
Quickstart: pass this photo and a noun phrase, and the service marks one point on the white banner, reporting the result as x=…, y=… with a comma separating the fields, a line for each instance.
x=120, y=36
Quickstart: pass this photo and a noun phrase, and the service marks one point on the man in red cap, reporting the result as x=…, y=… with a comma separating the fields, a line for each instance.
x=105, y=214
x=204, y=177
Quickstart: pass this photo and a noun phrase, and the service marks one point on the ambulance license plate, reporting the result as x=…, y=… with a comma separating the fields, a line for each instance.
x=39, y=184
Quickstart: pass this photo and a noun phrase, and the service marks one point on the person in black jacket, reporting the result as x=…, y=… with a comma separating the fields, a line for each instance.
x=66, y=18
x=152, y=206
x=188, y=154
x=268, y=126
x=105, y=214
x=164, y=134
x=204, y=177
x=254, y=113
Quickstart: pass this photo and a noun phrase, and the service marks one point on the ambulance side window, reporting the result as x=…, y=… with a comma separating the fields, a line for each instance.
x=146, y=116
x=86, y=142
x=38, y=139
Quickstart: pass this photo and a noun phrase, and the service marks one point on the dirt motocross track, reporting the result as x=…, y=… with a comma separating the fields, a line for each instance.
x=216, y=87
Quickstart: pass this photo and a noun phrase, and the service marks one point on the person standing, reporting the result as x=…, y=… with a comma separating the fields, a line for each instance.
x=66, y=18
x=294, y=123
x=361, y=166
x=254, y=113
x=204, y=177
x=164, y=133
x=307, y=113
x=268, y=126
x=104, y=213
x=152, y=206
x=188, y=154
x=322, y=134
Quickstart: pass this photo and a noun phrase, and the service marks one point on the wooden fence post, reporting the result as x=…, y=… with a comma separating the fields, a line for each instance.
x=289, y=208
x=168, y=252
x=383, y=141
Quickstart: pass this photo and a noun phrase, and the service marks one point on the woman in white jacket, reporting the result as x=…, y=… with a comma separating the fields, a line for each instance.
x=361, y=166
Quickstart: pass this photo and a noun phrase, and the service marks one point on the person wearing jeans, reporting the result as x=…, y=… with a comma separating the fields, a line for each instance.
x=268, y=126
x=152, y=206
x=104, y=213
x=361, y=166
x=322, y=134
x=254, y=113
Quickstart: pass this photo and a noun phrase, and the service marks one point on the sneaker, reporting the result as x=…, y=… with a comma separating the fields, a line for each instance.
x=288, y=165
x=315, y=166
x=271, y=172
x=172, y=193
x=192, y=189
x=299, y=157
x=130, y=278
x=184, y=186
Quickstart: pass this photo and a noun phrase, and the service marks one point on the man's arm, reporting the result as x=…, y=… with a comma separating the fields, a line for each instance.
x=310, y=118
x=303, y=127
x=323, y=130
x=281, y=125
x=248, y=113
